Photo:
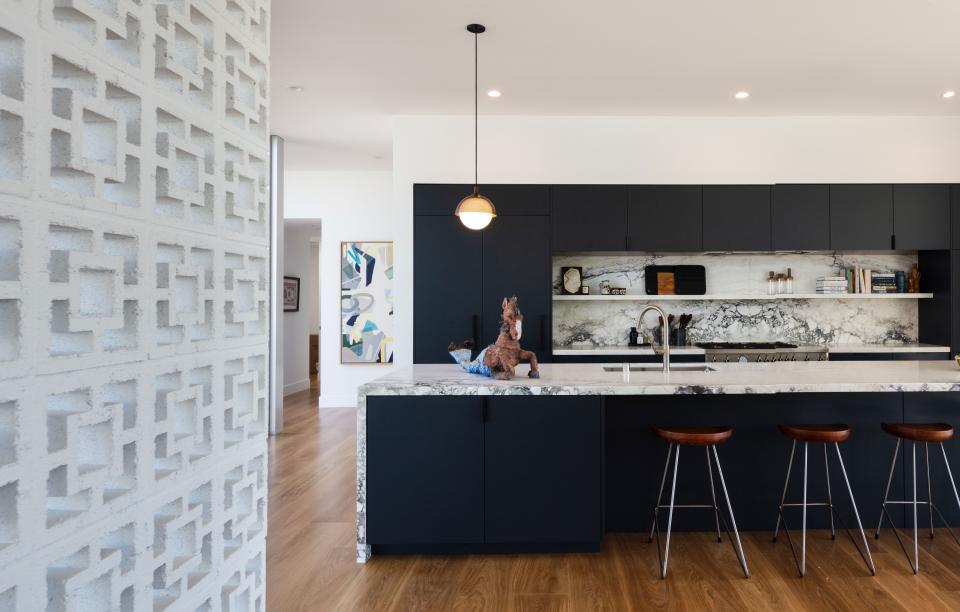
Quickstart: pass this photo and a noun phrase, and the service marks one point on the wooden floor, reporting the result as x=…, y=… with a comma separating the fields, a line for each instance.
x=310, y=556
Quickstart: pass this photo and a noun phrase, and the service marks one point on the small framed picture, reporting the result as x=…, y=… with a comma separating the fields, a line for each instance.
x=571, y=280
x=291, y=294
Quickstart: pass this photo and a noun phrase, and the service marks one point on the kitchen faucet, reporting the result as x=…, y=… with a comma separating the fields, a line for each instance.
x=665, y=337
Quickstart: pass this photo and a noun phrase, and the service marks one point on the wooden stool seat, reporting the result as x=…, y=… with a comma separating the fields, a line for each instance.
x=817, y=433
x=919, y=432
x=694, y=436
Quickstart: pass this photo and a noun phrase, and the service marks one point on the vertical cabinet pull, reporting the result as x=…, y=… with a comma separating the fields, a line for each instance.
x=543, y=333
x=476, y=329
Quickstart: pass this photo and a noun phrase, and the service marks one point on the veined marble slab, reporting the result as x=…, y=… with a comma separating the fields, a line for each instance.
x=606, y=323
x=624, y=350
x=591, y=379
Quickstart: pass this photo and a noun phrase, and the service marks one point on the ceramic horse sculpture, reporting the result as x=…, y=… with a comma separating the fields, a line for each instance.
x=500, y=359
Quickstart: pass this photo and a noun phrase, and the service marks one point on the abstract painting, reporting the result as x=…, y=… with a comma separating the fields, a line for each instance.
x=366, y=302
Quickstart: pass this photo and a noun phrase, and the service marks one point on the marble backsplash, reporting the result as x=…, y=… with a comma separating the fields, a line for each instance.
x=607, y=323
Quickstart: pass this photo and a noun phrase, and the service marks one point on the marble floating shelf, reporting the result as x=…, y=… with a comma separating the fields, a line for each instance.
x=738, y=297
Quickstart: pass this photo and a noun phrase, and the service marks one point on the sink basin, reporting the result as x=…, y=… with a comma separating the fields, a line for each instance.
x=676, y=367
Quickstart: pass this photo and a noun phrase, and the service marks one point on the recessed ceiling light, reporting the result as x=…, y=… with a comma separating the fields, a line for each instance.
x=296, y=88
x=494, y=93
x=742, y=95
x=949, y=94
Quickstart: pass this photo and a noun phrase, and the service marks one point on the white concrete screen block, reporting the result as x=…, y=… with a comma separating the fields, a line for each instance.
x=133, y=304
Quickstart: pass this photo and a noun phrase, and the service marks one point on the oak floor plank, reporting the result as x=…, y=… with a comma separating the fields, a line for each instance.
x=311, y=555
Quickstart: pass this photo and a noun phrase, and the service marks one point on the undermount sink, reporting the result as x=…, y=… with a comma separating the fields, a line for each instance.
x=675, y=367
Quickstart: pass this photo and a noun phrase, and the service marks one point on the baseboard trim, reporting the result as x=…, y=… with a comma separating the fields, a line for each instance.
x=300, y=385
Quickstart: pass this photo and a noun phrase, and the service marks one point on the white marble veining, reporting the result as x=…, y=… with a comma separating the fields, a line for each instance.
x=591, y=379
x=606, y=323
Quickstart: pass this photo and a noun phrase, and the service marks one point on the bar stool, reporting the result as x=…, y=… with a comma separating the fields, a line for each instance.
x=826, y=434
x=936, y=433
x=708, y=437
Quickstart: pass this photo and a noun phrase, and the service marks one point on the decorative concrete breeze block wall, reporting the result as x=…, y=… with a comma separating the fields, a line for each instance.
x=133, y=304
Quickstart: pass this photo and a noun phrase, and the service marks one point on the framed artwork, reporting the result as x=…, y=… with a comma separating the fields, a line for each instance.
x=291, y=294
x=571, y=280
x=366, y=302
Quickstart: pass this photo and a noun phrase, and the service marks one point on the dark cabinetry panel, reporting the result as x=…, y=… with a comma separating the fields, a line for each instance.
x=437, y=199
x=516, y=261
x=955, y=216
x=800, y=218
x=446, y=286
x=921, y=217
x=543, y=469
x=424, y=470
x=861, y=217
x=589, y=218
x=664, y=218
x=736, y=217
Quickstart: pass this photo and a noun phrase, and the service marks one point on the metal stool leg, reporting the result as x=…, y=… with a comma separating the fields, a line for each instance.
x=886, y=494
x=926, y=451
x=663, y=482
x=786, y=483
x=856, y=513
x=713, y=495
x=826, y=469
x=803, y=554
x=953, y=483
x=738, y=547
x=916, y=540
x=673, y=492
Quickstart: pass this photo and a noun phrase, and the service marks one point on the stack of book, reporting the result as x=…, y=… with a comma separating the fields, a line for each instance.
x=885, y=282
x=830, y=285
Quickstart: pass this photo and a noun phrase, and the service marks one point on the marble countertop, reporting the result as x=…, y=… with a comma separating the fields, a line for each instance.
x=589, y=350
x=591, y=379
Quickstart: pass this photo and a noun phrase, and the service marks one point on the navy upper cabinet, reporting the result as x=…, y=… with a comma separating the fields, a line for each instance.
x=663, y=218
x=736, y=218
x=861, y=217
x=955, y=216
x=800, y=218
x=447, y=302
x=589, y=218
x=516, y=261
x=921, y=217
x=436, y=199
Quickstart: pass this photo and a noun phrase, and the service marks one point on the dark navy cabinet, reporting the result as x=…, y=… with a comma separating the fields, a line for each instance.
x=424, y=470
x=736, y=217
x=461, y=276
x=921, y=217
x=516, y=261
x=665, y=218
x=469, y=471
x=543, y=463
x=442, y=199
x=588, y=218
x=861, y=217
x=447, y=289
x=800, y=218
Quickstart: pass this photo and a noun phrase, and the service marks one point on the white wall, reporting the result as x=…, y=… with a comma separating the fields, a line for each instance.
x=297, y=252
x=657, y=150
x=133, y=305
x=351, y=206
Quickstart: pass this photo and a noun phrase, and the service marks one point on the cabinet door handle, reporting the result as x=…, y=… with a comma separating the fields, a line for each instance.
x=893, y=242
x=476, y=329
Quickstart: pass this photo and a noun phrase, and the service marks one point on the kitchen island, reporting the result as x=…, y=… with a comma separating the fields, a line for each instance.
x=452, y=462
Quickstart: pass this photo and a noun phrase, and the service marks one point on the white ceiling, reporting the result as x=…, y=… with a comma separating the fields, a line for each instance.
x=362, y=61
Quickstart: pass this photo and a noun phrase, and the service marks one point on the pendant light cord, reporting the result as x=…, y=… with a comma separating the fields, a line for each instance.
x=476, y=114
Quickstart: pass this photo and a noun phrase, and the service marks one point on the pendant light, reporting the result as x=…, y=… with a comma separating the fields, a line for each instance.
x=476, y=211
